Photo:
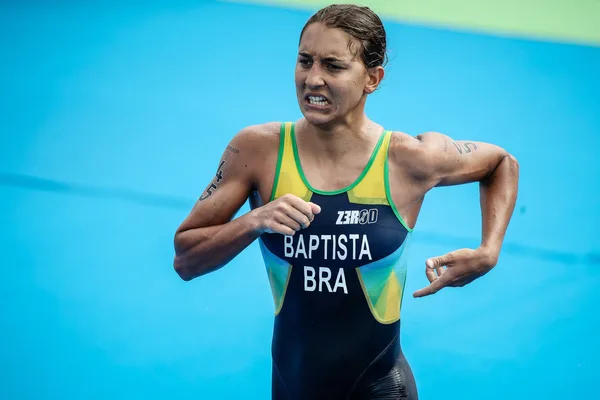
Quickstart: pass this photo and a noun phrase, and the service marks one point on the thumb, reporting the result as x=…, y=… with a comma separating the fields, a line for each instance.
x=315, y=208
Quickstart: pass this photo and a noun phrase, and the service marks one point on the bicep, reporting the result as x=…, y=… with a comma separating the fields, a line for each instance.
x=226, y=192
x=454, y=162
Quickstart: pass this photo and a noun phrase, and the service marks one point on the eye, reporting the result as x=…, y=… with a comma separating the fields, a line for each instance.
x=304, y=62
x=334, y=67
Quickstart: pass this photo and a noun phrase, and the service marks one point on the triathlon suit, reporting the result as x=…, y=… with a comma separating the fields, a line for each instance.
x=338, y=286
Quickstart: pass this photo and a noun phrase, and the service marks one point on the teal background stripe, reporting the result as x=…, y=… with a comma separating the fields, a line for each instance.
x=113, y=118
x=571, y=21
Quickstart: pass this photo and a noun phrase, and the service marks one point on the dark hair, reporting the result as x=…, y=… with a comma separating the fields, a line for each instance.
x=362, y=24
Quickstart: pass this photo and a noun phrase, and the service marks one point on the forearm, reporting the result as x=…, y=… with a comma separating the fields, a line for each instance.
x=204, y=250
x=498, y=195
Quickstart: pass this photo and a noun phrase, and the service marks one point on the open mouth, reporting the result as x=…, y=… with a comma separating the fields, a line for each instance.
x=317, y=100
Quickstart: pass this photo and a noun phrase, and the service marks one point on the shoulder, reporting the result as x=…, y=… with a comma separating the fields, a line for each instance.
x=259, y=135
x=416, y=153
x=256, y=140
x=419, y=144
x=251, y=145
x=253, y=150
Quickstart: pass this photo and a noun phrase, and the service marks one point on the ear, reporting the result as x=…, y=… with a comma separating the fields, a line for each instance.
x=374, y=78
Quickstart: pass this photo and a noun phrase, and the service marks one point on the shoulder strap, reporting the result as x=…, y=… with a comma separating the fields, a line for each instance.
x=372, y=187
x=287, y=175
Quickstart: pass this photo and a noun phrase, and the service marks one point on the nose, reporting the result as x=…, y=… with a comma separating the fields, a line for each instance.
x=314, y=77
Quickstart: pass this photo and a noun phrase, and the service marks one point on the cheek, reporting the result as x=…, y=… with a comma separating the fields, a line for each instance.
x=353, y=89
x=298, y=77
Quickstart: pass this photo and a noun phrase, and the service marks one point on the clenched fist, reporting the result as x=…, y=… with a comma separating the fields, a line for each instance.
x=286, y=215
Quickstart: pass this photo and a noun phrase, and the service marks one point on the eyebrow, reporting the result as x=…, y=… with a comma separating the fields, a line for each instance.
x=326, y=59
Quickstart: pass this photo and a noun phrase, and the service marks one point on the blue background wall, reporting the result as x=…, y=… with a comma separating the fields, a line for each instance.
x=112, y=122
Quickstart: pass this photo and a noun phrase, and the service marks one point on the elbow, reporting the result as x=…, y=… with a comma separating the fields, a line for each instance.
x=507, y=166
x=188, y=271
x=191, y=262
x=188, y=268
x=513, y=164
x=181, y=261
x=181, y=269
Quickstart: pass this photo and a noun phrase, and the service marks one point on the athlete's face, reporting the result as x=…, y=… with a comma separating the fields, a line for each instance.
x=331, y=81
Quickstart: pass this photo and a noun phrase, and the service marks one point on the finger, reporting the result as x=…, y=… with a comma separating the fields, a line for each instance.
x=430, y=272
x=284, y=230
x=434, y=287
x=299, y=217
x=291, y=223
x=303, y=207
x=440, y=261
x=431, y=265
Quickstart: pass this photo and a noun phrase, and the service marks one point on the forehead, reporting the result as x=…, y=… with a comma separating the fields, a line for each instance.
x=321, y=41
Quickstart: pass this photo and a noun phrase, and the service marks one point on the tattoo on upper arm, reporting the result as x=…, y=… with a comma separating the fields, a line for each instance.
x=214, y=185
x=464, y=148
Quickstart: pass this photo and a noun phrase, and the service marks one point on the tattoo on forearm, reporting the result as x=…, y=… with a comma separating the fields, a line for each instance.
x=214, y=185
x=464, y=148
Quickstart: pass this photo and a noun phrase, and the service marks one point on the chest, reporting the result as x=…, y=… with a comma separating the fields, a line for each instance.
x=344, y=235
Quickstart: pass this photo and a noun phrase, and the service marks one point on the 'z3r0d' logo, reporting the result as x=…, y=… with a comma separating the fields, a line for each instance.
x=355, y=217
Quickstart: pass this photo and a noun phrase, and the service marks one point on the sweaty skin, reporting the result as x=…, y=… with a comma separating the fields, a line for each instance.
x=334, y=142
x=208, y=238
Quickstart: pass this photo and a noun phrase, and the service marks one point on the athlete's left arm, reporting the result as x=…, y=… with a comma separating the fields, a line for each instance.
x=447, y=162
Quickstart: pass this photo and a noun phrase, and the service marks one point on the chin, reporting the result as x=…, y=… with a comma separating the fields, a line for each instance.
x=321, y=121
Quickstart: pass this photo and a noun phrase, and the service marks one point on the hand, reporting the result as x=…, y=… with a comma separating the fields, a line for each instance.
x=286, y=215
x=463, y=267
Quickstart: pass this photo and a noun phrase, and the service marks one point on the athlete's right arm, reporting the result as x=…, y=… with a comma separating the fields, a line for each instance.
x=209, y=238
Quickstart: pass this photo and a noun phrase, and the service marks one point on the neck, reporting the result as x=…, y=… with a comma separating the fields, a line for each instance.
x=339, y=139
